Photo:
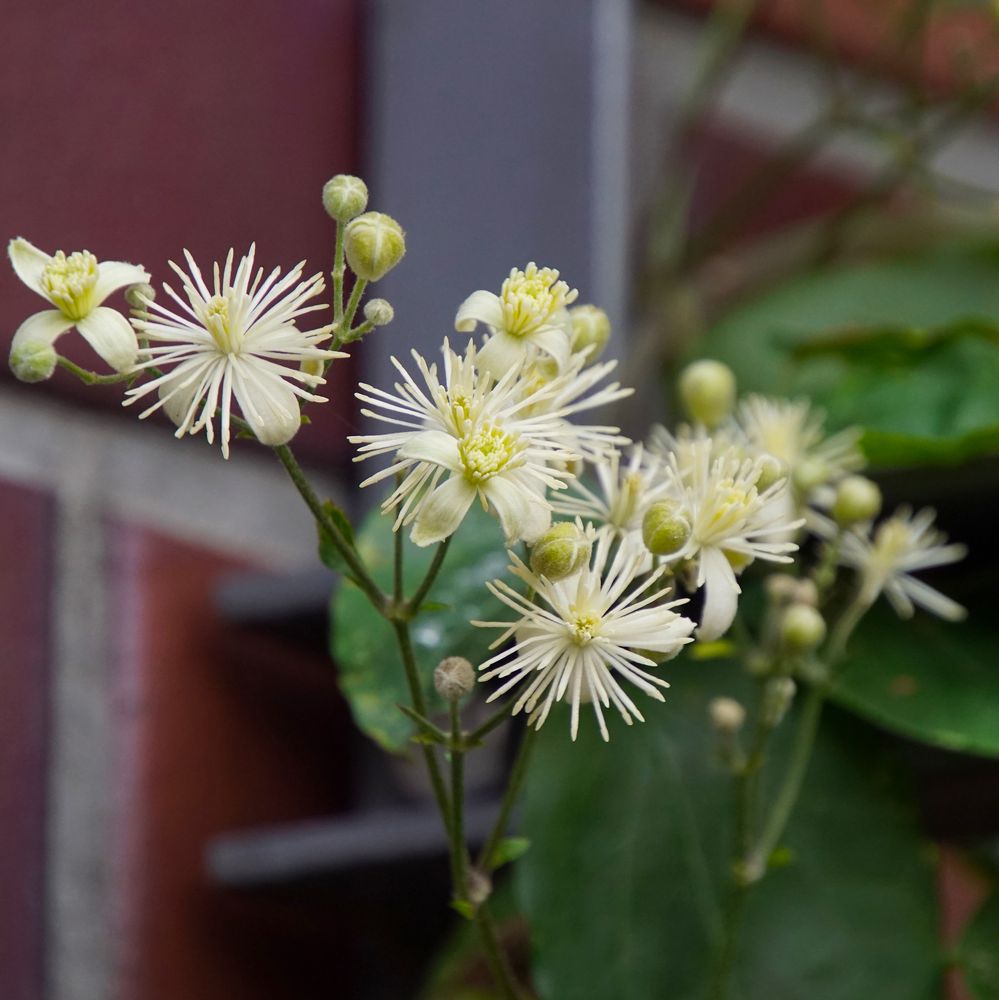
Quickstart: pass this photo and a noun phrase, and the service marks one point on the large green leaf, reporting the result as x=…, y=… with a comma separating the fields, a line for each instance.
x=978, y=952
x=622, y=885
x=930, y=398
x=933, y=681
x=363, y=645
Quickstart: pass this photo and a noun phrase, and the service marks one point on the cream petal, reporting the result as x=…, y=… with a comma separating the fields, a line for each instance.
x=267, y=403
x=42, y=328
x=442, y=511
x=721, y=594
x=111, y=336
x=554, y=341
x=521, y=513
x=500, y=353
x=115, y=274
x=28, y=263
x=479, y=307
x=432, y=446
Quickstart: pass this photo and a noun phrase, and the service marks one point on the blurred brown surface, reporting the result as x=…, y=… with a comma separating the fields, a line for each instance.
x=26, y=525
x=136, y=130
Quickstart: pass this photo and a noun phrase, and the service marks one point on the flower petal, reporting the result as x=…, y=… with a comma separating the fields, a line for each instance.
x=41, y=328
x=501, y=353
x=111, y=336
x=479, y=307
x=115, y=274
x=267, y=402
x=432, y=446
x=442, y=511
x=523, y=515
x=554, y=341
x=28, y=263
x=721, y=594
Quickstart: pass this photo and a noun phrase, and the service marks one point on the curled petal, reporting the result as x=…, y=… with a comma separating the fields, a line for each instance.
x=523, y=515
x=432, y=446
x=268, y=404
x=42, y=328
x=115, y=274
x=721, y=594
x=443, y=511
x=111, y=336
x=501, y=353
x=28, y=263
x=479, y=307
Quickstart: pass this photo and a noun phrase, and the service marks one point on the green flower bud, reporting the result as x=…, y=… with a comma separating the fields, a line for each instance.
x=454, y=678
x=590, y=329
x=138, y=295
x=34, y=361
x=857, y=499
x=726, y=714
x=811, y=473
x=378, y=312
x=772, y=470
x=374, y=243
x=561, y=551
x=345, y=197
x=778, y=694
x=802, y=628
x=707, y=391
x=665, y=528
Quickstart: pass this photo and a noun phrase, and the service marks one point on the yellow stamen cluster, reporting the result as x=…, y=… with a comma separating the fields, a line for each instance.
x=529, y=299
x=486, y=451
x=584, y=627
x=218, y=322
x=69, y=282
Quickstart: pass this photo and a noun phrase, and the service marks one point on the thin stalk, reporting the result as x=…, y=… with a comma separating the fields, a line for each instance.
x=517, y=775
x=458, y=849
x=357, y=568
x=496, y=955
x=398, y=594
x=412, y=606
x=489, y=725
x=92, y=378
x=338, y=270
x=352, y=303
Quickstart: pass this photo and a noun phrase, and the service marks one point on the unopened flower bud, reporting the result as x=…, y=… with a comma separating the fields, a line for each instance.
x=480, y=886
x=772, y=470
x=726, y=714
x=805, y=592
x=590, y=329
x=454, y=678
x=811, y=473
x=34, y=361
x=374, y=243
x=564, y=549
x=707, y=391
x=780, y=587
x=665, y=528
x=777, y=697
x=857, y=499
x=378, y=312
x=802, y=628
x=345, y=197
x=137, y=296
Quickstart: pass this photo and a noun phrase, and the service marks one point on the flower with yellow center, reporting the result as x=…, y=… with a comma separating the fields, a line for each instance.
x=529, y=314
x=900, y=546
x=577, y=638
x=490, y=439
x=233, y=340
x=76, y=285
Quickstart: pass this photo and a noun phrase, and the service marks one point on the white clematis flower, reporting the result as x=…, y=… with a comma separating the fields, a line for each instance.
x=529, y=313
x=900, y=546
x=234, y=340
x=488, y=438
x=578, y=638
x=77, y=286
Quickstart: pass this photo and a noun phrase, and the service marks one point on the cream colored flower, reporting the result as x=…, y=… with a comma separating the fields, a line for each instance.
x=235, y=340
x=576, y=639
x=529, y=313
x=76, y=285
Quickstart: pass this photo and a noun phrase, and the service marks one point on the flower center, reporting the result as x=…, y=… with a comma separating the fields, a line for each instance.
x=69, y=282
x=487, y=451
x=530, y=297
x=625, y=504
x=726, y=510
x=219, y=323
x=892, y=541
x=584, y=627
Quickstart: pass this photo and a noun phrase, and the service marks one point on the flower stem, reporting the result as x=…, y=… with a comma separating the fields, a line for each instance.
x=352, y=303
x=513, y=787
x=412, y=606
x=458, y=849
x=338, y=269
x=358, y=570
x=92, y=378
x=499, y=964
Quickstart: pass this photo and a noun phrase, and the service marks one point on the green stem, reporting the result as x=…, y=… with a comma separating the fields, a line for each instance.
x=92, y=378
x=496, y=955
x=398, y=541
x=517, y=774
x=488, y=726
x=358, y=570
x=355, y=300
x=338, y=270
x=458, y=850
x=413, y=605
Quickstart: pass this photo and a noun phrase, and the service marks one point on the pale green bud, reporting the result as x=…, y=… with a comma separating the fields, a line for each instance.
x=374, y=243
x=857, y=499
x=34, y=361
x=561, y=551
x=665, y=528
x=590, y=329
x=345, y=197
x=707, y=391
x=802, y=628
x=454, y=678
x=810, y=473
x=777, y=697
x=378, y=312
x=772, y=470
x=138, y=295
x=726, y=714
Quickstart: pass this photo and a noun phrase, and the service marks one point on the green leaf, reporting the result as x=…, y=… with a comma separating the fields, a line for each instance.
x=906, y=348
x=328, y=552
x=932, y=681
x=629, y=840
x=362, y=643
x=978, y=952
x=509, y=849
